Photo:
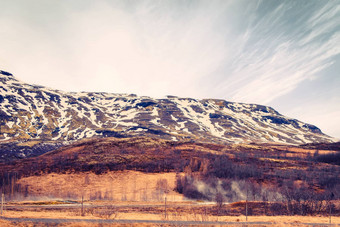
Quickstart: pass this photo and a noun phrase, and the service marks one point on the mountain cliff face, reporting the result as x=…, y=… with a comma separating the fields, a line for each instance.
x=36, y=112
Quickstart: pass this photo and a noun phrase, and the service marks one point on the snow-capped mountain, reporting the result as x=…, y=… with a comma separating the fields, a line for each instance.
x=36, y=112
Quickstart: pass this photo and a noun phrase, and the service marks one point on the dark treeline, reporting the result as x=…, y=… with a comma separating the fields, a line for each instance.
x=333, y=158
x=304, y=190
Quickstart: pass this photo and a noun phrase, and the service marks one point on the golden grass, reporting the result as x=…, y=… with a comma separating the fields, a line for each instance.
x=194, y=147
x=29, y=143
x=158, y=214
x=301, y=151
x=276, y=160
x=47, y=214
x=5, y=223
x=275, y=220
x=118, y=185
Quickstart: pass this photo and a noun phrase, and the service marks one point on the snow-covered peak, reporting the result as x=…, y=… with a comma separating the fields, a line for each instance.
x=36, y=112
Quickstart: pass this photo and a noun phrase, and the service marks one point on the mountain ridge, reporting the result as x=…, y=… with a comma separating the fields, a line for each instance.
x=39, y=113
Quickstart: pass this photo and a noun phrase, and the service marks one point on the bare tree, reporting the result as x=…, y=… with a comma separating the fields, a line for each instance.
x=219, y=198
x=254, y=190
x=162, y=188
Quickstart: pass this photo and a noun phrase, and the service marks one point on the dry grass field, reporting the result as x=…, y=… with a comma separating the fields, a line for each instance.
x=172, y=216
x=186, y=211
x=117, y=185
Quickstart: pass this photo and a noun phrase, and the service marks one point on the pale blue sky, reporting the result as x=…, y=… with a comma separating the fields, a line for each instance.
x=284, y=54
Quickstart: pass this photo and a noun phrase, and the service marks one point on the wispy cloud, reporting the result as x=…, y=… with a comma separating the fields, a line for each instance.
x=239, y=50
x=274, y=64
x=252, y=50
x=149, y=48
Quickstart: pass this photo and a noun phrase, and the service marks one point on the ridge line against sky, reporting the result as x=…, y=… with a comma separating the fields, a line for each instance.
x=284, y=54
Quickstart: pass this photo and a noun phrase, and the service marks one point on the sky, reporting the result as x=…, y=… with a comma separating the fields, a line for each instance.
x=283, y=54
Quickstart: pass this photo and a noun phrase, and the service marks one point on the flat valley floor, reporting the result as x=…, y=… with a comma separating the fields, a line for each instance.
x=124, y=213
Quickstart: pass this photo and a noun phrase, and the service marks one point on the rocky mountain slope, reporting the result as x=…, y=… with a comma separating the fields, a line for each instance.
x=36, y=112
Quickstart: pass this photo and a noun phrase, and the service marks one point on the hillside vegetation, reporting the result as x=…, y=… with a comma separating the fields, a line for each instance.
x=293, y=180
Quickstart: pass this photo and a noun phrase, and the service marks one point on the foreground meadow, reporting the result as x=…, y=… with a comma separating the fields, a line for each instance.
x=188, y=213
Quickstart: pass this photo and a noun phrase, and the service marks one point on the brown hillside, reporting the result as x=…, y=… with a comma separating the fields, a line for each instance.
x=114, y=168
x=262, y=163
